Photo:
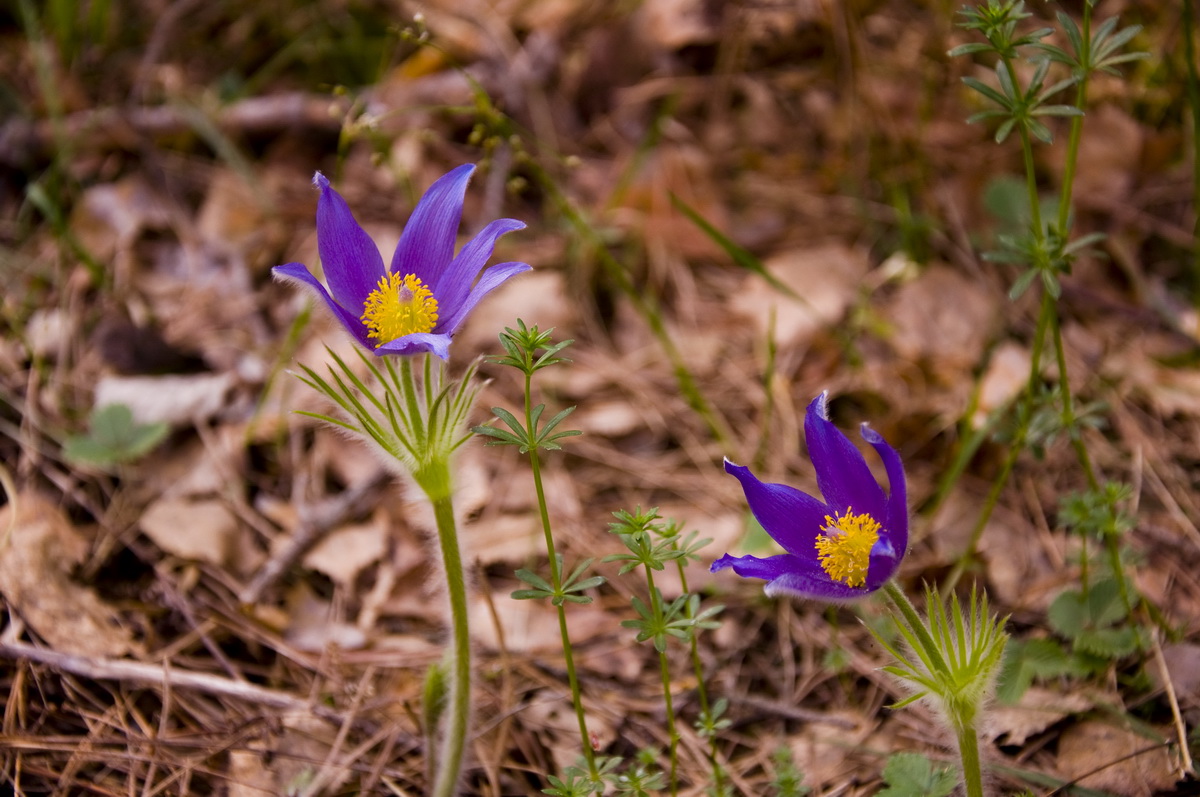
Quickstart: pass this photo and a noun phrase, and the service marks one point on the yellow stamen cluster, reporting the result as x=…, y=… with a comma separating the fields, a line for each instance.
x=845, y=548
x=399, y=306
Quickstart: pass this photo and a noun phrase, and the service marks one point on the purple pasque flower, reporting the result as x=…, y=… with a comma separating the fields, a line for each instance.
x=419, y=302
x=838, y=549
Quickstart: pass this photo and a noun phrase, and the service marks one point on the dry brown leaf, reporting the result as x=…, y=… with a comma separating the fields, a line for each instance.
x=344, y=553
x=313, y=625
x=248, y=772
x=177, y=400
x=673, y=24
x=1006, y=376
x=550, y=712
x=200, y=529
x=1106, y=751
x=47, y=329
x=820, y=749
x=1183, y=663
x=35, y=580
x=199, y=468
x=943, y=320
x=1038, y=709
x=1108, y=155
x=504, y=538
x=826, y=278
x=109, y=217
x=345, y=457
x=532, y=626
x=607, y=418
x=233, y=219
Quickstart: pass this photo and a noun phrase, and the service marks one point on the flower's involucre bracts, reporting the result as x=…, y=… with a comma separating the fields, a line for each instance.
x=838, y=549
x=421, y=299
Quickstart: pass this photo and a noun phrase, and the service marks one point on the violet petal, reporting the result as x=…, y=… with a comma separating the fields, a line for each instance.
x=298, y=272
x=426, y=246
x=349, y=258
x=792, y=518
x=842, y=472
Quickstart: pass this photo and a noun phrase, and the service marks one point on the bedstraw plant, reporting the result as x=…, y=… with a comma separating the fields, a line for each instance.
x=652, y=543
x=529, y=350
x=1047, y=246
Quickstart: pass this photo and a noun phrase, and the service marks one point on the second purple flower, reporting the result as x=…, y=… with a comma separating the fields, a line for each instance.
x=422, y=298
x=839, y=549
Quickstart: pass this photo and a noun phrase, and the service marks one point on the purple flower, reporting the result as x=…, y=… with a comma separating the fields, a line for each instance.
x=837, y=550
x=419, y=302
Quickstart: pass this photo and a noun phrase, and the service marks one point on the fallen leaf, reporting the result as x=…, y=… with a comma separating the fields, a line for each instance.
x=538, y=298
x=1006, y=376
x=35, y=579
x=176, y=400
x=1038, y=709
x=943, y=320
x=345, y=552
x=827, y=278
x=673, y=24
x=313, y=625
x=199, y=529
x=504, y=538
x=532, y=625
x=1183, y=664
x=1103, y=756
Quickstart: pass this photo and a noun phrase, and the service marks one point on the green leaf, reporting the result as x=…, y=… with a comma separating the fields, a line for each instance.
x=914, y=775
x=533, y=580
x=1033, y=659
x=113, y=438
x=969, y=49
x=1109, y=643
x=1067, y=614
x=1105, y=606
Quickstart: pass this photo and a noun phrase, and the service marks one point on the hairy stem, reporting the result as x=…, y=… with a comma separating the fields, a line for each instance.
x=454, y=740
x=968, y=751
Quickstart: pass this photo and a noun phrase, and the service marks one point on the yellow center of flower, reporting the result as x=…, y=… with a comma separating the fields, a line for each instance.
x=845, y=548
x=399, y=306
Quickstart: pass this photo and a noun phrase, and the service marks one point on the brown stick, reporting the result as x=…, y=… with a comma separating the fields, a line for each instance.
x=163, y=677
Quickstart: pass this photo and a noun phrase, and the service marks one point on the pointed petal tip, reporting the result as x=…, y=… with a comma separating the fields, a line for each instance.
x=320, y=181
x=820, y=405
x=870, y=435
x=722, y=563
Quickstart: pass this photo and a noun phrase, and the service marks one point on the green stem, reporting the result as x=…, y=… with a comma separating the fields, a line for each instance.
x=1035, y=209
x=556, y=581
x=665, y=672
x=701, y=689
x=450, y=757
x=968, y=752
